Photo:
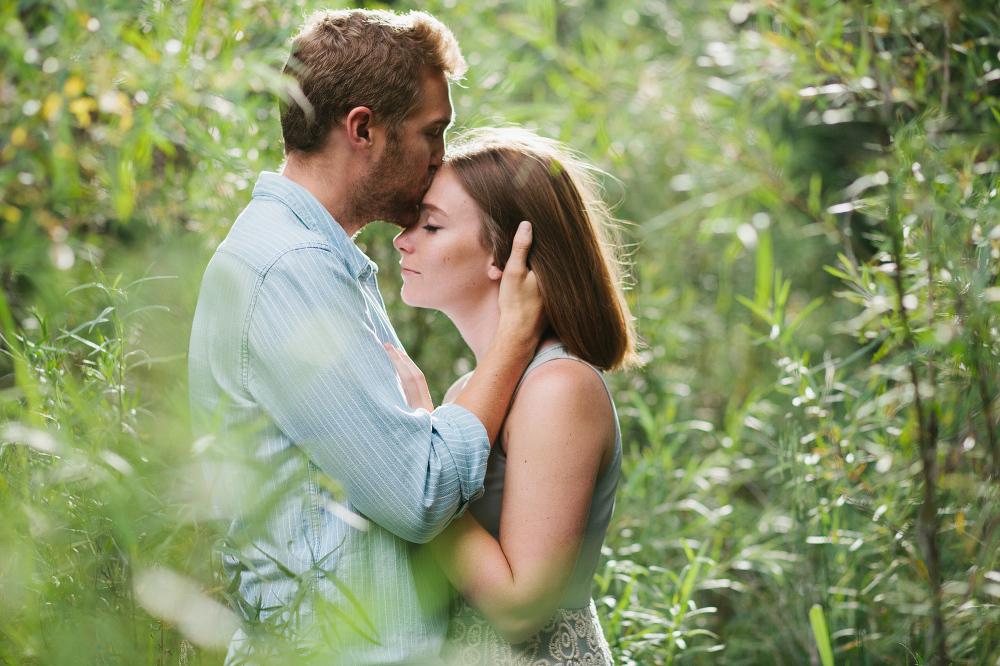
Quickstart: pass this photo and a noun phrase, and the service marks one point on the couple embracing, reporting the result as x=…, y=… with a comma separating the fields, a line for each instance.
x=506, y=490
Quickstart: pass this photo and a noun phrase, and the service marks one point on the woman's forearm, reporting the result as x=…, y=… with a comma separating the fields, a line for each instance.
x=557, y=434
x=475, y=563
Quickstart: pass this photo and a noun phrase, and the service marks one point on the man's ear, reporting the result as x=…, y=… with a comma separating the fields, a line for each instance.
x=360, y=122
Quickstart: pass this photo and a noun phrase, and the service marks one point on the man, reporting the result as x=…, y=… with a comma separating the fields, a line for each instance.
x=287, y=350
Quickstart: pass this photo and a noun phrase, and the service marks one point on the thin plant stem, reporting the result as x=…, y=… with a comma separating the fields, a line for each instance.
x=987, y=402
x=927, y=433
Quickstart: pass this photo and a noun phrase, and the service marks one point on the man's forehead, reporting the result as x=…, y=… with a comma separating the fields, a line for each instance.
x=435, y=114
x=435, y=100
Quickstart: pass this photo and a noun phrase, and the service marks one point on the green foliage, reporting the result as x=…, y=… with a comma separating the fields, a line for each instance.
x=811, y=188
x=865, y=132
x=91, y=502
x=123, y=122
x=818, y=621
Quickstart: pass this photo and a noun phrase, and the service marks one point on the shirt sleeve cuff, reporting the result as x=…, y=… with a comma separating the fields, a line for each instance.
x=465, y=437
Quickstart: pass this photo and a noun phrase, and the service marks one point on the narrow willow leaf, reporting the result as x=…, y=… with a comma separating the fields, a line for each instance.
x=818, y=621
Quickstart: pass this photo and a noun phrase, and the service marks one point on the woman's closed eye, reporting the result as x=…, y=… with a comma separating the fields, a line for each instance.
x=430, y=228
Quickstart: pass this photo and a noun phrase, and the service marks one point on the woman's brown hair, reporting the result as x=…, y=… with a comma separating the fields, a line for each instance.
x=515, y=175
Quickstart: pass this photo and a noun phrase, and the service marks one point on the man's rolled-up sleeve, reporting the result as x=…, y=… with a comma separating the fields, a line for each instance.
x=315, y=364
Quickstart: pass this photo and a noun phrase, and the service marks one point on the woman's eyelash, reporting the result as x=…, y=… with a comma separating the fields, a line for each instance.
x=430, y=227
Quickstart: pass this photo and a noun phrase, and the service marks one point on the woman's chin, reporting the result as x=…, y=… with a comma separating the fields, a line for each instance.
x=413, y=300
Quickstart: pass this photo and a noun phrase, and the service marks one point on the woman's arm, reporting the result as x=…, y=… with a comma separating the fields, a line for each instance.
x=558, y=438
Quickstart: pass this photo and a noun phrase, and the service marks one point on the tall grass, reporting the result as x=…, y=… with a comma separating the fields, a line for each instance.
x=812, y=190
x=96, y=497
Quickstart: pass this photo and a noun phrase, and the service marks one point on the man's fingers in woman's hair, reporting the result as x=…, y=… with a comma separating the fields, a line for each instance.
x=519, y=250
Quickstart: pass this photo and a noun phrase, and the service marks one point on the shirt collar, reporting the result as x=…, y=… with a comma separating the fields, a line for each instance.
x=316, y=218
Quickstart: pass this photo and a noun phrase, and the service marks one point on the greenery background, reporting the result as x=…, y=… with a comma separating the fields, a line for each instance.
x=812, y=457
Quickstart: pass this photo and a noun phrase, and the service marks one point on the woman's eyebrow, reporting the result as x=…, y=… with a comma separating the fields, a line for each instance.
x=432, y=208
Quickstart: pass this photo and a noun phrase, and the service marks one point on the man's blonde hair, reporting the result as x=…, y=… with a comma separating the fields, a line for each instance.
x=343, y=59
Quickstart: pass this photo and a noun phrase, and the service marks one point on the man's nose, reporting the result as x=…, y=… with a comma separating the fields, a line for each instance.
x=437, y=157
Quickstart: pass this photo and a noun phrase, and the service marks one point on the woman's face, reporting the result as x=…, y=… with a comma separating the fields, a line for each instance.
x=444, y=263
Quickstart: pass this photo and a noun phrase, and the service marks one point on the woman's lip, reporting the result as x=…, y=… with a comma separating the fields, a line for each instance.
x=409, y=271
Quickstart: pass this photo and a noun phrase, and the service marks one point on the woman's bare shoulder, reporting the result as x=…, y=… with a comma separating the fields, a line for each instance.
x=561, y=379
x=563, y=396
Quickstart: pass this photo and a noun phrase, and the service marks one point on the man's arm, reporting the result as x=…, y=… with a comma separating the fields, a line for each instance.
x=522, y=321
x=315, y=365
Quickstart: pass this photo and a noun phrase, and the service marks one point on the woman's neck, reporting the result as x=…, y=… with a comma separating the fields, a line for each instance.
x=477, y=322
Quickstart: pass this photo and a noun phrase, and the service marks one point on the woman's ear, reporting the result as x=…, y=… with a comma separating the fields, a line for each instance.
x=493, y=272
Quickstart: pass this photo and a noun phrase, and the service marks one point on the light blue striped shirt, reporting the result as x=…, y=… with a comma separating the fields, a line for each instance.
x=286, y=359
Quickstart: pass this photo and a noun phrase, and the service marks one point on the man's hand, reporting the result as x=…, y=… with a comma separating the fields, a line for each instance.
x=414, y=384
x=522, y=322
x=521, y=307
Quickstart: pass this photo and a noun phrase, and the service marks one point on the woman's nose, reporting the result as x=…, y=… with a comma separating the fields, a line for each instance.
x=402, y=242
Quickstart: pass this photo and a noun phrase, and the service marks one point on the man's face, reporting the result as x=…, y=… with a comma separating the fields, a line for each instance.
x=405, y=167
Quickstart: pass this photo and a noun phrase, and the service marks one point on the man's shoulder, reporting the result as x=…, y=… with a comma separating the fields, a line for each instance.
x=266, y=231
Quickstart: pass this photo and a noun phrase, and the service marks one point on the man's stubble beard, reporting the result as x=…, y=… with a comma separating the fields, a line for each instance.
x=387, y=193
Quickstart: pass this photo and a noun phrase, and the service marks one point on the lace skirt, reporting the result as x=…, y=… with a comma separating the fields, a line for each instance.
x=570, y=638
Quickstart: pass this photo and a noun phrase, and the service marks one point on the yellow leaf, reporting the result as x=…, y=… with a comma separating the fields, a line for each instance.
x=81, y=108
x=19, y=136
x=960, y=523
x=828, y=65
x=882, y=24
x=12, y=214
x=74, y=86
x=52, y=107
x=923, y=568
x=62, y=151
x=775, y=40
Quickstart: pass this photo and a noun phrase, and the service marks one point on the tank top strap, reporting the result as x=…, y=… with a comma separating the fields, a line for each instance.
x=556, y=351
x=546, y=354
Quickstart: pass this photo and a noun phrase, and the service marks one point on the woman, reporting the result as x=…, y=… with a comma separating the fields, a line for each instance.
x=525, y=572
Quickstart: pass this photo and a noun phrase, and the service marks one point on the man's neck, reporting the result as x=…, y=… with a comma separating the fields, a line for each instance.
x=323, y=177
